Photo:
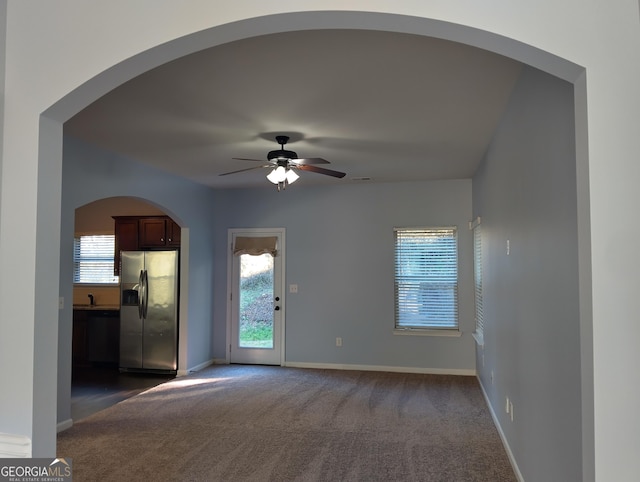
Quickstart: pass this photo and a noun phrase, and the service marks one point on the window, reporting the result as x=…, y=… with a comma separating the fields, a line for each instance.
x=426, y=278
x=477, y=280
x=93, y=259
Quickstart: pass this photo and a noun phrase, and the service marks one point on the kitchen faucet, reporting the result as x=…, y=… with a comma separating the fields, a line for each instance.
x=91, y=301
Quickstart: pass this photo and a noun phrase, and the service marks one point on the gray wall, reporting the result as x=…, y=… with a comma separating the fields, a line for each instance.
x=90, y=174
x=525, y=192
x=339, y=250
x=3, y=41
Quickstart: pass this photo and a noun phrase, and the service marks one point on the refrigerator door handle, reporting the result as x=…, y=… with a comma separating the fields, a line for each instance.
x=146, y=294
x=140, y=293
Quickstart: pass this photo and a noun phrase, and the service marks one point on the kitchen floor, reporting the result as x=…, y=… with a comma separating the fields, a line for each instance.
x=96, y=388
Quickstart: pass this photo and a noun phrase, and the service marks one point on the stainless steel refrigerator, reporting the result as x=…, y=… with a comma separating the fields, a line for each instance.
x=149, y=311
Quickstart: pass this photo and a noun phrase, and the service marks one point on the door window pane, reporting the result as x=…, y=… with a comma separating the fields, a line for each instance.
x=256, y=301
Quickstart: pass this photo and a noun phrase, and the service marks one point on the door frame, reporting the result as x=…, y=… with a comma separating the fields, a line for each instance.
x=283, y=302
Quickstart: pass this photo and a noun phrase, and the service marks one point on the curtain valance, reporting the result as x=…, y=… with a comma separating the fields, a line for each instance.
x=255, y=245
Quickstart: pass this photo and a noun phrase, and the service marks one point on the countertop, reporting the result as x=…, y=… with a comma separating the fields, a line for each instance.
x=97, y=307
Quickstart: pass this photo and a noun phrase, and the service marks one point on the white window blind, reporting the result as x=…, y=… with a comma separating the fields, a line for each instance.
x=93, y=259
x=426, y=278
x=477, y=278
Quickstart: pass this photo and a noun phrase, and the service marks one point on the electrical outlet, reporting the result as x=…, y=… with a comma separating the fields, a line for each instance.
x=293, y=288
x=507, y=405
x=508, y=247
x=338, y=341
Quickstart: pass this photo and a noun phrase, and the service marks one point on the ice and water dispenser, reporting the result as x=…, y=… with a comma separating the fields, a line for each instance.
x=130, y=294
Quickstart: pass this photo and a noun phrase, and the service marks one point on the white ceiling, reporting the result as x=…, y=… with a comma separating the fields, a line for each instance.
x=388, y=106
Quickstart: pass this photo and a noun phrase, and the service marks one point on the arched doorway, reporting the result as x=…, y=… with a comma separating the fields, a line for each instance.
x=96, y=381
x=395, y=23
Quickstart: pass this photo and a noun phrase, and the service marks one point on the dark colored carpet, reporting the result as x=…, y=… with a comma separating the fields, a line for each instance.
x=256, y=423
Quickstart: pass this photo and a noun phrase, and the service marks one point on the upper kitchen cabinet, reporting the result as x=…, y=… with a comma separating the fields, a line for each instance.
x=126, y=239
x=173, y=233
x=126, y=235
x=144, y=232
x=158, y=233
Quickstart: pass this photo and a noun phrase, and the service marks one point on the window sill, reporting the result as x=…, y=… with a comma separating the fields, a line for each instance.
x=98, y=285
x=421, y=332
x=479, y=337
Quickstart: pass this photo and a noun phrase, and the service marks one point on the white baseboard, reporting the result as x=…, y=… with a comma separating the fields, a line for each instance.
x=382, y=368
x=197, y=368
x=14, y=446
x=64, y=425
x=221, y=361
x=505, y=443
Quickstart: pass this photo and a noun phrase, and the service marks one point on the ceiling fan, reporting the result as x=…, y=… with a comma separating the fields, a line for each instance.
x=285, y=163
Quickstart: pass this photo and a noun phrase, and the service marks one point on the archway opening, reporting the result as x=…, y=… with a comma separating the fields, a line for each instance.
x=97, y=381
x=260, y=26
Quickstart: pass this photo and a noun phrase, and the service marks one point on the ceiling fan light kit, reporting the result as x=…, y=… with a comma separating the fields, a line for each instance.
x=292, y=176
x=285, y=163
x=279, y=174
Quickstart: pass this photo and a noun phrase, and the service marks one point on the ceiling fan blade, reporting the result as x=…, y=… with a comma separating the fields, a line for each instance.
x=310, y=160
x=247, y=169
x=244, y=159
x=321, y=170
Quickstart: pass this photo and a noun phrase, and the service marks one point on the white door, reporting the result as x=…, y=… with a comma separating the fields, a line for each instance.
x=256, y=296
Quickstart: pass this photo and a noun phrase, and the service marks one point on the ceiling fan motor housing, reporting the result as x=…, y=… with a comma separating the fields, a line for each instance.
x=282, y=154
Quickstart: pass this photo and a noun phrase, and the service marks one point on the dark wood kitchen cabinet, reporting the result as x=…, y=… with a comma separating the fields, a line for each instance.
x=173, y=233
x=153, y=232
x=158, y=233
x=135, y=233
x=79, y=338
x=96, y=337
x=126, y=231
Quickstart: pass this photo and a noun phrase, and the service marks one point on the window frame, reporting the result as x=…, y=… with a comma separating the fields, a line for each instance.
x=423, y=328
x=107, y=256
x=478, y=295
